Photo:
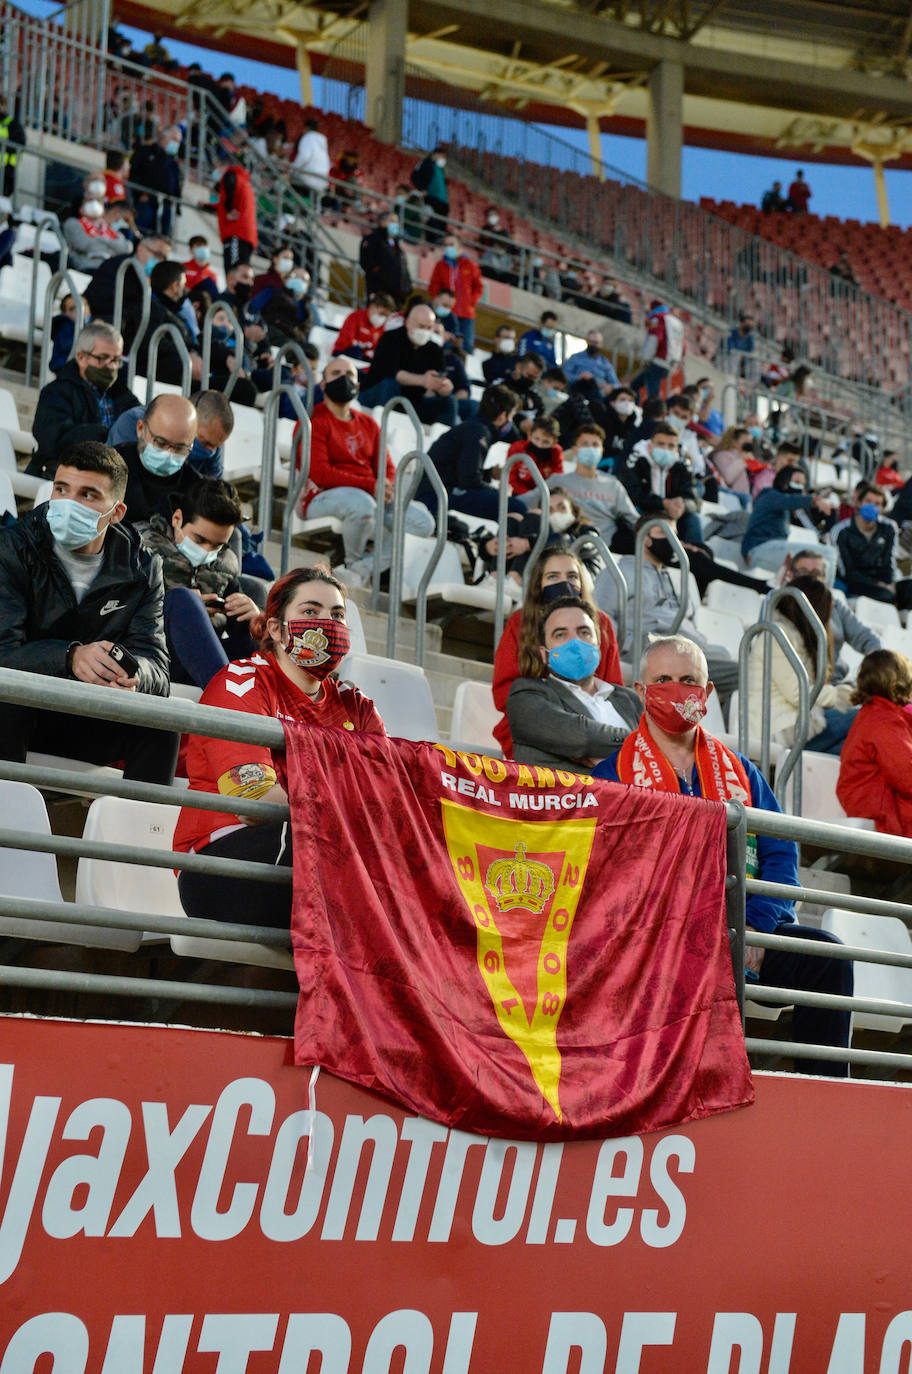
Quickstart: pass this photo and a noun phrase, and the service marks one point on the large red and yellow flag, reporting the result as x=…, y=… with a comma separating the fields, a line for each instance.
x=507, y=949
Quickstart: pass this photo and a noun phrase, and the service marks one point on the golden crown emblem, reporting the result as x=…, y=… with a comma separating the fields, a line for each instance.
x=516, y=883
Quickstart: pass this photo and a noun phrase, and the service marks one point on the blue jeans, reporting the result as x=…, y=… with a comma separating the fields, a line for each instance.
x=833, y=736
x=357, y=511
x=195, y=646
x=466, y=331
x=651, y=377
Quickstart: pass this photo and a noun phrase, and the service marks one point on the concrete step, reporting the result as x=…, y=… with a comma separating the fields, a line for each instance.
x=461, y=668
x=375, y=625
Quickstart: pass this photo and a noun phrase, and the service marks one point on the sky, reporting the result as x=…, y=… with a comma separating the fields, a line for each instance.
x=847, y=192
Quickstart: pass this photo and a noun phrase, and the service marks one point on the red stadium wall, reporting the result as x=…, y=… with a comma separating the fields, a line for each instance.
x=156, y=1215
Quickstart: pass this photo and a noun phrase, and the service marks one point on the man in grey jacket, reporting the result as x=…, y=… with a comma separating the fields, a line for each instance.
x=845, y=626
x=660, y=605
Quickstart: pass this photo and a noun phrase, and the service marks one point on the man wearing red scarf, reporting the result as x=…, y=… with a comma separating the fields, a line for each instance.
x=671, y=751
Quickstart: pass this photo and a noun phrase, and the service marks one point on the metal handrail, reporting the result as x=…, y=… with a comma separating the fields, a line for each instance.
x=297, y=482
x=394, y=403
x=503, y=495
x=269, y=455
x=130, y=264
x=292, y=350
x=770, y=630
x=172, y=331
x=790, y=593
x=613, y=569
x=636, y=644
x=404, y=487
x=216, y=308
x=45, y=223
x=50, y=297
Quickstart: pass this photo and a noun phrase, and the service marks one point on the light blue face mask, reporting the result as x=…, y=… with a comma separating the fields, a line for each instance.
x=297, y=286
x=451, y=253
x=664, y=457
x=161, y=462
x=150, y=266
x=72, y=524
x=195, y=553
x=588, y=456
x=202, y=254
x=574, y=660
x=755, y=431
x=172, y=147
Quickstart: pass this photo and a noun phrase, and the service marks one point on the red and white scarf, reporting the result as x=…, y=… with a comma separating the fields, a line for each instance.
x=641, y=763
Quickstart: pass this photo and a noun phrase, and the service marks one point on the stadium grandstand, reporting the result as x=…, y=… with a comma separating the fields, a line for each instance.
x=374, y=473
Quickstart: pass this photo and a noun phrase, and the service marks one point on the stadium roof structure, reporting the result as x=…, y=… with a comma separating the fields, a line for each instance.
x=827, y=80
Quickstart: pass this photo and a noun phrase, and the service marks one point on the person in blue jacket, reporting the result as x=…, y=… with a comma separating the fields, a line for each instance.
x=765, y=543
x=670, y=751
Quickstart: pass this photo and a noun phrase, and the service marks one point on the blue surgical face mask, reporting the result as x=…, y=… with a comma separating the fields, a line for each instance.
x=172, y=147
x=393, y=229
x=149, y=266
x=664, y=457
x=588, y=456
x=297, y=286
x=201, y=254
x=574, y=660
x=451, y=252
x=161, y=462
x=547, y=332
x=72, y=524
x=869, y=511
x=756, y=431
x=195, y=553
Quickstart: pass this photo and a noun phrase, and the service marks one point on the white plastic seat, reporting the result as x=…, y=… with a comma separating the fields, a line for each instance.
x=720, y=627
x=355, y=627
x=7, y=496
x=879, y=615
x=739, y=601
x=892, y=984
x=400, y=692
x=819, y=775
x=133, y=887
x=23, y=442
x=474, y=717
x=26, y=874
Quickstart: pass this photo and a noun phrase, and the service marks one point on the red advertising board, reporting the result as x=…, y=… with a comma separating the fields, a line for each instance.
x=159, y=1215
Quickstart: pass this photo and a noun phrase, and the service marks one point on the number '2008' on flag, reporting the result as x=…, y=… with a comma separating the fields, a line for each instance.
x=535, y=955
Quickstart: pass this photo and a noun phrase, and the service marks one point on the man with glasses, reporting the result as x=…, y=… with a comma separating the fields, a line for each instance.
x=101, y=289
x=158, y=471
x=214, y=425
x=83, y=401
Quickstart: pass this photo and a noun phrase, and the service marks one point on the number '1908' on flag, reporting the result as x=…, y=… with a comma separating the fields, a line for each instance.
x=507, y=949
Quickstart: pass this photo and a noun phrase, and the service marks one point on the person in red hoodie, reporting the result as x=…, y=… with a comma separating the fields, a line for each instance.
x=237, y=220
x=197, y=267
x=344, y=457
x=459, y=273
x=554, y=575
x=361, y=330
x=544, y=452
x=875, y=766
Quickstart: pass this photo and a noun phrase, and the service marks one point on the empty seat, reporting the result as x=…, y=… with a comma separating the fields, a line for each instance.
x=819, y=775
x=740, y=601
x=884, y=981
x=28, y=875
x=720, y=627
x=400, y=692
x=474, y=717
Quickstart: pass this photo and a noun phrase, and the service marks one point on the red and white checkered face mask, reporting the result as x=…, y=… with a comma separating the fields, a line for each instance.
x=317, y=646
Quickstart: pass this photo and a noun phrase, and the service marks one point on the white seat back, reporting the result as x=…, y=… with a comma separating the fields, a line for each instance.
x=400, y=692
x=819, y=776
x=739, y=601
x=7, y=499
x=875, y=980
x=474, y=717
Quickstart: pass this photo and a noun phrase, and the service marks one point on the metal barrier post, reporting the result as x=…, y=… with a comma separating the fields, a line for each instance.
x=503, y=496
x=790, y=593
x=220, y=307
x=172, y=331
x=45, y=223
x=612, y=567
x=404, y=488
x=291, y=350
x=47, y=344
x=394, y=403
x=268, y=460
x=735, y=895
x=297, y=482
x=769, y=629
x=128, y=265
x=636, y=647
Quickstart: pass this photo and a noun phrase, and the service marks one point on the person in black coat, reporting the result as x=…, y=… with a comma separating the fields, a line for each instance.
x=383, y=260
x=84, y=400
x=100, y=290
x=158, y=473
x=74, y=584
x=156, y=180
x=169, y=283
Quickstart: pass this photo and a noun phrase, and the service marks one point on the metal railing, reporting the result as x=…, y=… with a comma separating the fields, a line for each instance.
x=503, y=495
x=288, y=353
x=171, y=332
x=221, y=308
x=48, y=222
x=297, y=481
x=178, y=715
x=62, y=278
x=270, y=453
x=405, y=485
x=671, y=534
x=769, y=632
x=613, y=569
x=131, y=265
x=394, y=403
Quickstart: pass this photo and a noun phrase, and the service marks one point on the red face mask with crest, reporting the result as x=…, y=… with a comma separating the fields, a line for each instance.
x=317, y=646
x=675, y=707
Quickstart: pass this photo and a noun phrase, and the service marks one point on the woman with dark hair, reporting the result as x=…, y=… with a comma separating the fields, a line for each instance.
x=831, y=716
x=765, y=543
x=875, y=768
x=302, y=638
x=554, y=575
x=561, y=714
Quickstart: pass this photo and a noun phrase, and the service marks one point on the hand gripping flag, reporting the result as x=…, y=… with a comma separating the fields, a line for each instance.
x=507, y=949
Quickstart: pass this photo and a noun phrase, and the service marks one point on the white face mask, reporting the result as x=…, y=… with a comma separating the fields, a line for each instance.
x=506, y=345
x=420, y=337
x=93, y=209
x=624, y=408
x=96, y=188
x=560, y=520
x=376, y=318
x=284, y=266
x=677, y=422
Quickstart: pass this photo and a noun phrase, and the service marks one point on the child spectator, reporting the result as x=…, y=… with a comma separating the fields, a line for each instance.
x=63, y=331
x=543, y=451
x=197, y=265
x=459, y=457
x=361, y=330
x=115, y=180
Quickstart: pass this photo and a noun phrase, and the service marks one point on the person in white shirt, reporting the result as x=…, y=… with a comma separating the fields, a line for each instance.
x=311, y=165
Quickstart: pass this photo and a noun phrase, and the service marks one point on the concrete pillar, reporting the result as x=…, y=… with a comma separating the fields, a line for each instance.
x=665, y=127
x=384, y=86
x=305, y=76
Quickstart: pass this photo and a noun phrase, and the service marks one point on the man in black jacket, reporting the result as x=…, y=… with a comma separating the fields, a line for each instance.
x=75, y=585
x=155, y=172
x=83, y=401
x=409, y=362
x=459, y=457
x=158, y=473
x=383, y=260
x=101, y=289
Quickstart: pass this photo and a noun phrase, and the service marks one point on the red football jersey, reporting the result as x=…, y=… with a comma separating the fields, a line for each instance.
x=259, y=686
